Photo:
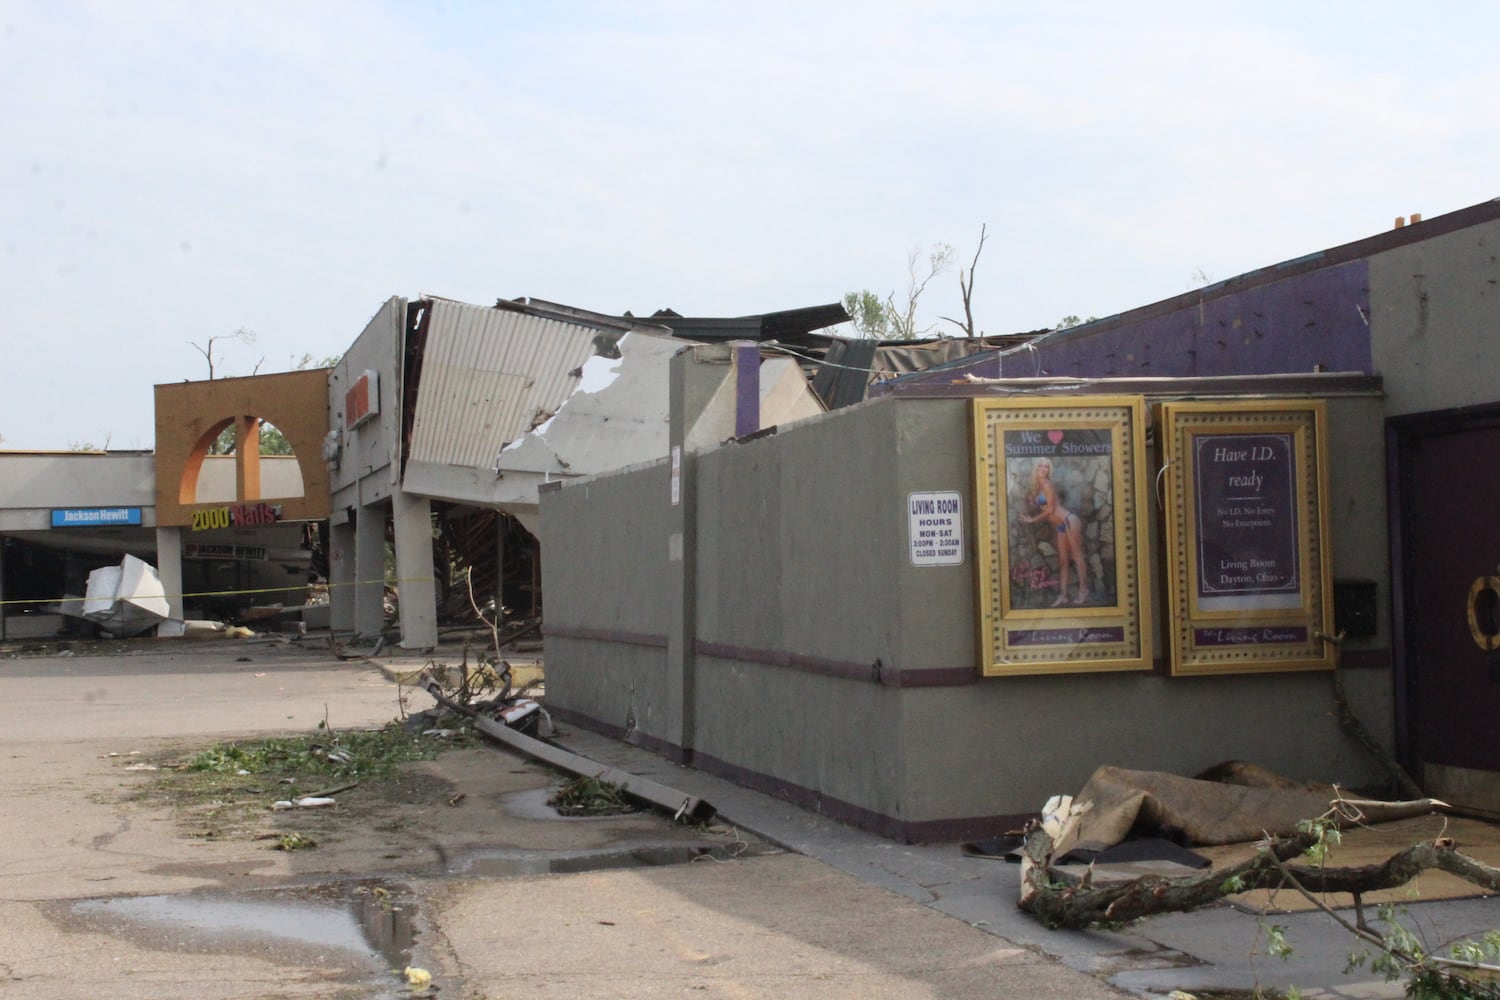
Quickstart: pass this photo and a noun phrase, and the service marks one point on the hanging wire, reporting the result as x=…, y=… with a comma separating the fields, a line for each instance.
x=820, y=361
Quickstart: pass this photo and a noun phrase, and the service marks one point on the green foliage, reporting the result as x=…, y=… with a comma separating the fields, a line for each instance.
x=1428, y=977
x=294, y=842
x=1326, y=836
x=869, y=315
x=1435, y=984
x=308, y=361
x=586, y=796
x=272, y=441
x=886, y=319
x=344, y=755
x=1276, y=942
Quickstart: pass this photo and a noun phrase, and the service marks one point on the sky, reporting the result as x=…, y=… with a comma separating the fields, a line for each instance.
x=175, y=172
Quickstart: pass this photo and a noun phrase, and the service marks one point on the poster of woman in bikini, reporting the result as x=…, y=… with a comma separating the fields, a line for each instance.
x=1059, y=480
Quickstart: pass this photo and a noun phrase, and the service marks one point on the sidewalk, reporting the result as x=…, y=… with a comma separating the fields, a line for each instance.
x=1219, y=949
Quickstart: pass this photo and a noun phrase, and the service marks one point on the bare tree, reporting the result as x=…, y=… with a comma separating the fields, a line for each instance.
x=903, y=318
x=967, y=287
x=206, y=349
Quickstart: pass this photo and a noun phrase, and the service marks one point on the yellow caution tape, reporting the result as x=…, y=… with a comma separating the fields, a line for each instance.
x=233, y=593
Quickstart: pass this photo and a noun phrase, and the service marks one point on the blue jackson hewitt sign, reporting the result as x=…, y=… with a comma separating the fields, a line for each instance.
x=95, y=517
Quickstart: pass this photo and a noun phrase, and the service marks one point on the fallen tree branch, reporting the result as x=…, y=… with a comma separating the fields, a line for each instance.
x=1086, y=905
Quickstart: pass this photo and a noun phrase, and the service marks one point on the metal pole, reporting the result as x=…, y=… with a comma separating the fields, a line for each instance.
x=682, y=805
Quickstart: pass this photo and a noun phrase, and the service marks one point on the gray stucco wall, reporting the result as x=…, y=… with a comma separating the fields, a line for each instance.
x=1005, y=744
x=32, y=483
x=604, y=554
x=805, y=582
x=365, y=471
x=1435, y=318
x=798, y=538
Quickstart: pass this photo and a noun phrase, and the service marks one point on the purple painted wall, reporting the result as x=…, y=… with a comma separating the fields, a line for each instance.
x=746, y=388
x=1317, y=320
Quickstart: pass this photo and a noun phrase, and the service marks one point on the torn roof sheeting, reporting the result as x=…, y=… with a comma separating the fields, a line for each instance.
x=489, y=374
x=617, y=416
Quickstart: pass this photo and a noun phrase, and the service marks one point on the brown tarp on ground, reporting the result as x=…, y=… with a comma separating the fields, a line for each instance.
x=1242, y=803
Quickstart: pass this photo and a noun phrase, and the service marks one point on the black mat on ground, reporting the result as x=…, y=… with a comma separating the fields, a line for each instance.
x=1142, y=849
x=1008, y=848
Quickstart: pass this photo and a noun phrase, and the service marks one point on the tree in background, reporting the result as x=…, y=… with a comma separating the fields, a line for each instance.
x=885, y=319
x=868, y=314
x=206, y=349
x=272, y=441
x=893, y=319
x=966, y=288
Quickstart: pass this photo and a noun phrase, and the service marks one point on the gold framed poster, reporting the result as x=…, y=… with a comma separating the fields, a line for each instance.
x=1249, y=579
x=1061, y=534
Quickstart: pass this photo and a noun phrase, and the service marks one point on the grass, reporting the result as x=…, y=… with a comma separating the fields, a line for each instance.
x=347, y=756
x=225, y=791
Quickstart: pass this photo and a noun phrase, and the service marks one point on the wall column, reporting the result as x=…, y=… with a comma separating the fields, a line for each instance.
x=502, y=527
x=169, y=570
x=2, y=588
x=415, y=576
x=341, y=576
x=746, y=388
x=693, y=380
x=369, y=570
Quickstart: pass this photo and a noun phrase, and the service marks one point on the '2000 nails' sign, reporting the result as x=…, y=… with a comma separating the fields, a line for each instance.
x=236, y=516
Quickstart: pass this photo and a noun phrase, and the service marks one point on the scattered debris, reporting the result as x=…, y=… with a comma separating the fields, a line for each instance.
x=588, y=796
x=417, y=979
x=688, y=808
x=122, y=600
x=306, y=802
x=293, y=842
x=1115, y=803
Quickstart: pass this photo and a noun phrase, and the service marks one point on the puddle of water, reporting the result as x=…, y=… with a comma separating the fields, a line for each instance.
x=511, y=864
x=366, y=929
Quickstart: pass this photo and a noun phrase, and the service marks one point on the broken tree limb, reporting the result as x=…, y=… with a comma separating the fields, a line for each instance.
x=1061, y=905
x=1079, y=906
x=1362, y=931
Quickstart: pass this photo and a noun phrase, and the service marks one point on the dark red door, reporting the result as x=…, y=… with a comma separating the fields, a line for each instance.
x=1450, y=574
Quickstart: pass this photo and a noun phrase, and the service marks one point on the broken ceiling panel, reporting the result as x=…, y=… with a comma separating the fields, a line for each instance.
x=486, y=372
x=617, y=416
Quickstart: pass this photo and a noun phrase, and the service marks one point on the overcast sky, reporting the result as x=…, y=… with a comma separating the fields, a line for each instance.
x=171, y=172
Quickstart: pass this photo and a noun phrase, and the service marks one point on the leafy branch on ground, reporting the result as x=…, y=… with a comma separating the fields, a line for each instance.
x=589, y=796
x=1459, y=975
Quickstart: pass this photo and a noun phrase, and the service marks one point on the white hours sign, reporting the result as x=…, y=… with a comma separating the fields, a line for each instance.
x=935, y=523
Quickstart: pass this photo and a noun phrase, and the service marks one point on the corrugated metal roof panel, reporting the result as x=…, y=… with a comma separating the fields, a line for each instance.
x=486, y=373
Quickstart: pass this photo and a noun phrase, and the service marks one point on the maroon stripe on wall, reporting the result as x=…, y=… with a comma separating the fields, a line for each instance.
x=943, y=831
x=875, y=672
x=606, y=635
x=849, y=670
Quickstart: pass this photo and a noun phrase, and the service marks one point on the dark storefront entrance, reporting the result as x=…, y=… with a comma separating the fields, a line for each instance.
x=1448, y=584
